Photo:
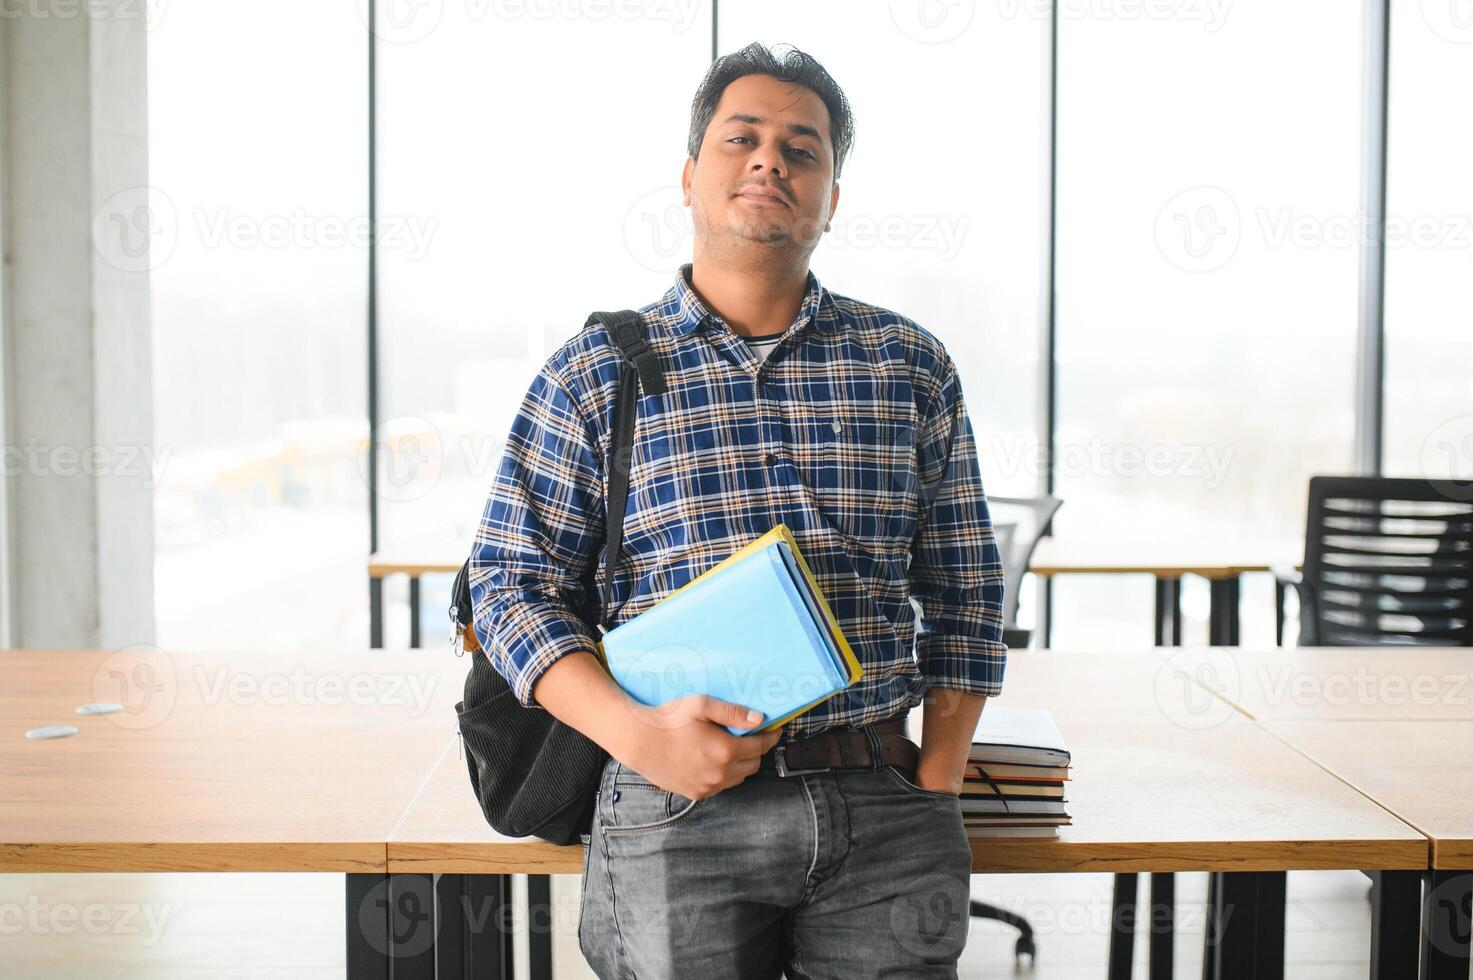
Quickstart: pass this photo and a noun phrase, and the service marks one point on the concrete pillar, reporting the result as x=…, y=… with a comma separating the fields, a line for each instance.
x=78, y=406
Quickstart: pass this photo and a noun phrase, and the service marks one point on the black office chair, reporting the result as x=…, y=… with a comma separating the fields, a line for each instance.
x=1387, y=561
x=1017, y=524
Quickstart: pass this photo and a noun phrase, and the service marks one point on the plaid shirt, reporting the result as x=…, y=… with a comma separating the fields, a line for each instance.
x=853, y=433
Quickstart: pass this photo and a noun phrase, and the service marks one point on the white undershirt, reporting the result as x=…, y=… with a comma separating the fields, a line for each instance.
x=762, y=346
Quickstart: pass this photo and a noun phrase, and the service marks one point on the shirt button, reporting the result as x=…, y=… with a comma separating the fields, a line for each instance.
x=770, y=459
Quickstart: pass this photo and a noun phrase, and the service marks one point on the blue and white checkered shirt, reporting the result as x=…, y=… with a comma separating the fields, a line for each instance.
x=853, y=432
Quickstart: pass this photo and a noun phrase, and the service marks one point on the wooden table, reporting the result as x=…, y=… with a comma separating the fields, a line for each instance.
x=1395, y=723
x=254, y=761
x=1152, y=792
x=1338, y=683
x=1167, y=561
x=382, y=564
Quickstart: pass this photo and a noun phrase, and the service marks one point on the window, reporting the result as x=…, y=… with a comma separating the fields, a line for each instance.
x=1429, y=252
x=257, y=144
x=531, y=163
x=942, y=211
x=1208, y=190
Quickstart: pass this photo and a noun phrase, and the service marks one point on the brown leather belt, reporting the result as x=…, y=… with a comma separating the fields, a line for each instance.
x=846, y=749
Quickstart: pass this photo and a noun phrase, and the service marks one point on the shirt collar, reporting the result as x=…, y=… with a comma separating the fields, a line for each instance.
x=684, y=310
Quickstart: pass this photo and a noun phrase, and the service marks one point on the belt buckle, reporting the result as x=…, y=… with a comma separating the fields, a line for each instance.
x=779, y=756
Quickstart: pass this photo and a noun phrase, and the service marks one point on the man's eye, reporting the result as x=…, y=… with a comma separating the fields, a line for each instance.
x=796, y=149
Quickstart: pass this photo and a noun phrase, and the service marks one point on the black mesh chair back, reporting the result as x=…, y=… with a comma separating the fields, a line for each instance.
x=1387, y=561
x=1018, y=523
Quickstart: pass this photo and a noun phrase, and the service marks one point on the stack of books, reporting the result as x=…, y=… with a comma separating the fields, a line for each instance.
x=1016, y=771
x=754, y=629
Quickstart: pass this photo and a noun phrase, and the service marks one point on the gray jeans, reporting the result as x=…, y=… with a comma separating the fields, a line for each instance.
x=849, y=874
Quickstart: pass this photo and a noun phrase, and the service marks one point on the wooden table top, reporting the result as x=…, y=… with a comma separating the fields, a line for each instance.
x=1338, y=683
x=1395, y=722
x=430, y=562
x=1159, y=785
x=1420, y=770
x=222, y=762
x=1053, y=556
x=1169, y=558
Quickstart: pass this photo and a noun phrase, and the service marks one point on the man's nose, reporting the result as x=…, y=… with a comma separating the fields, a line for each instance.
x=770, y=159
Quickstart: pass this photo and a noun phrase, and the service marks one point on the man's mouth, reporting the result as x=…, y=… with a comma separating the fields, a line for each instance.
x=769, y=198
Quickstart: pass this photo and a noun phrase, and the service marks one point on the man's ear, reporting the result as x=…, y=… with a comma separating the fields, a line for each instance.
x=833, y=205
x=685, y=177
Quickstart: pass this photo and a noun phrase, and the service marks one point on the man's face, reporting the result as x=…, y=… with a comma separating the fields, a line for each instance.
x=765, y=172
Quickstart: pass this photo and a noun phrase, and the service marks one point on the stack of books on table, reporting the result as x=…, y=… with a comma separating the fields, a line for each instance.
x=1016, y=771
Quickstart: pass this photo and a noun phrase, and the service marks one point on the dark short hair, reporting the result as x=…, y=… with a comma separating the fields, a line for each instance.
x=792, y=66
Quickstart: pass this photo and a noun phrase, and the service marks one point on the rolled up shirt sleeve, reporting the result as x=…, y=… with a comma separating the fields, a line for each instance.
x=956, y=571
x=543, y=524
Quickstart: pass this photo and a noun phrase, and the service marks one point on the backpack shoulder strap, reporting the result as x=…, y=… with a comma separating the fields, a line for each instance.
x=626, y=327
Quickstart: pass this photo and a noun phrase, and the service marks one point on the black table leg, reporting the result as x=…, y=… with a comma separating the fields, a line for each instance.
x=1046, y=610
x=375, y=612
x=1396, y=912
x=489, y=909
x=539, y=926
x=1211, y=933
x=475, y=927
x=1122, y=927
x=1161, y=923
x=1222, y=620
x=452, y=943
x=412, y=926
x=1168, y=611
x=414, y=612
x=1279, y=615
x=1447, y=919
x=1249, y=928
x=367, y=926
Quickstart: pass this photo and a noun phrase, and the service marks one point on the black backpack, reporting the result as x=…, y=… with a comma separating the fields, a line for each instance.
x=533, y=775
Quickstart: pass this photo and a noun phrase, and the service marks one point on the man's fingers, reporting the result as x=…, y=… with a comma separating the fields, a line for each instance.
x=727, y=713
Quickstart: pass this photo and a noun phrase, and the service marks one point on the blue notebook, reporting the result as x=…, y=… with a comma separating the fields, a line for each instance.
x=754, y=630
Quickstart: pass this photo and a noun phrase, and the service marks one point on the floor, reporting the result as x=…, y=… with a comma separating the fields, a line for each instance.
x=268, y=925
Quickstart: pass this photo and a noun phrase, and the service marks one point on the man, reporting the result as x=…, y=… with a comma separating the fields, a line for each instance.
x=709, y=855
